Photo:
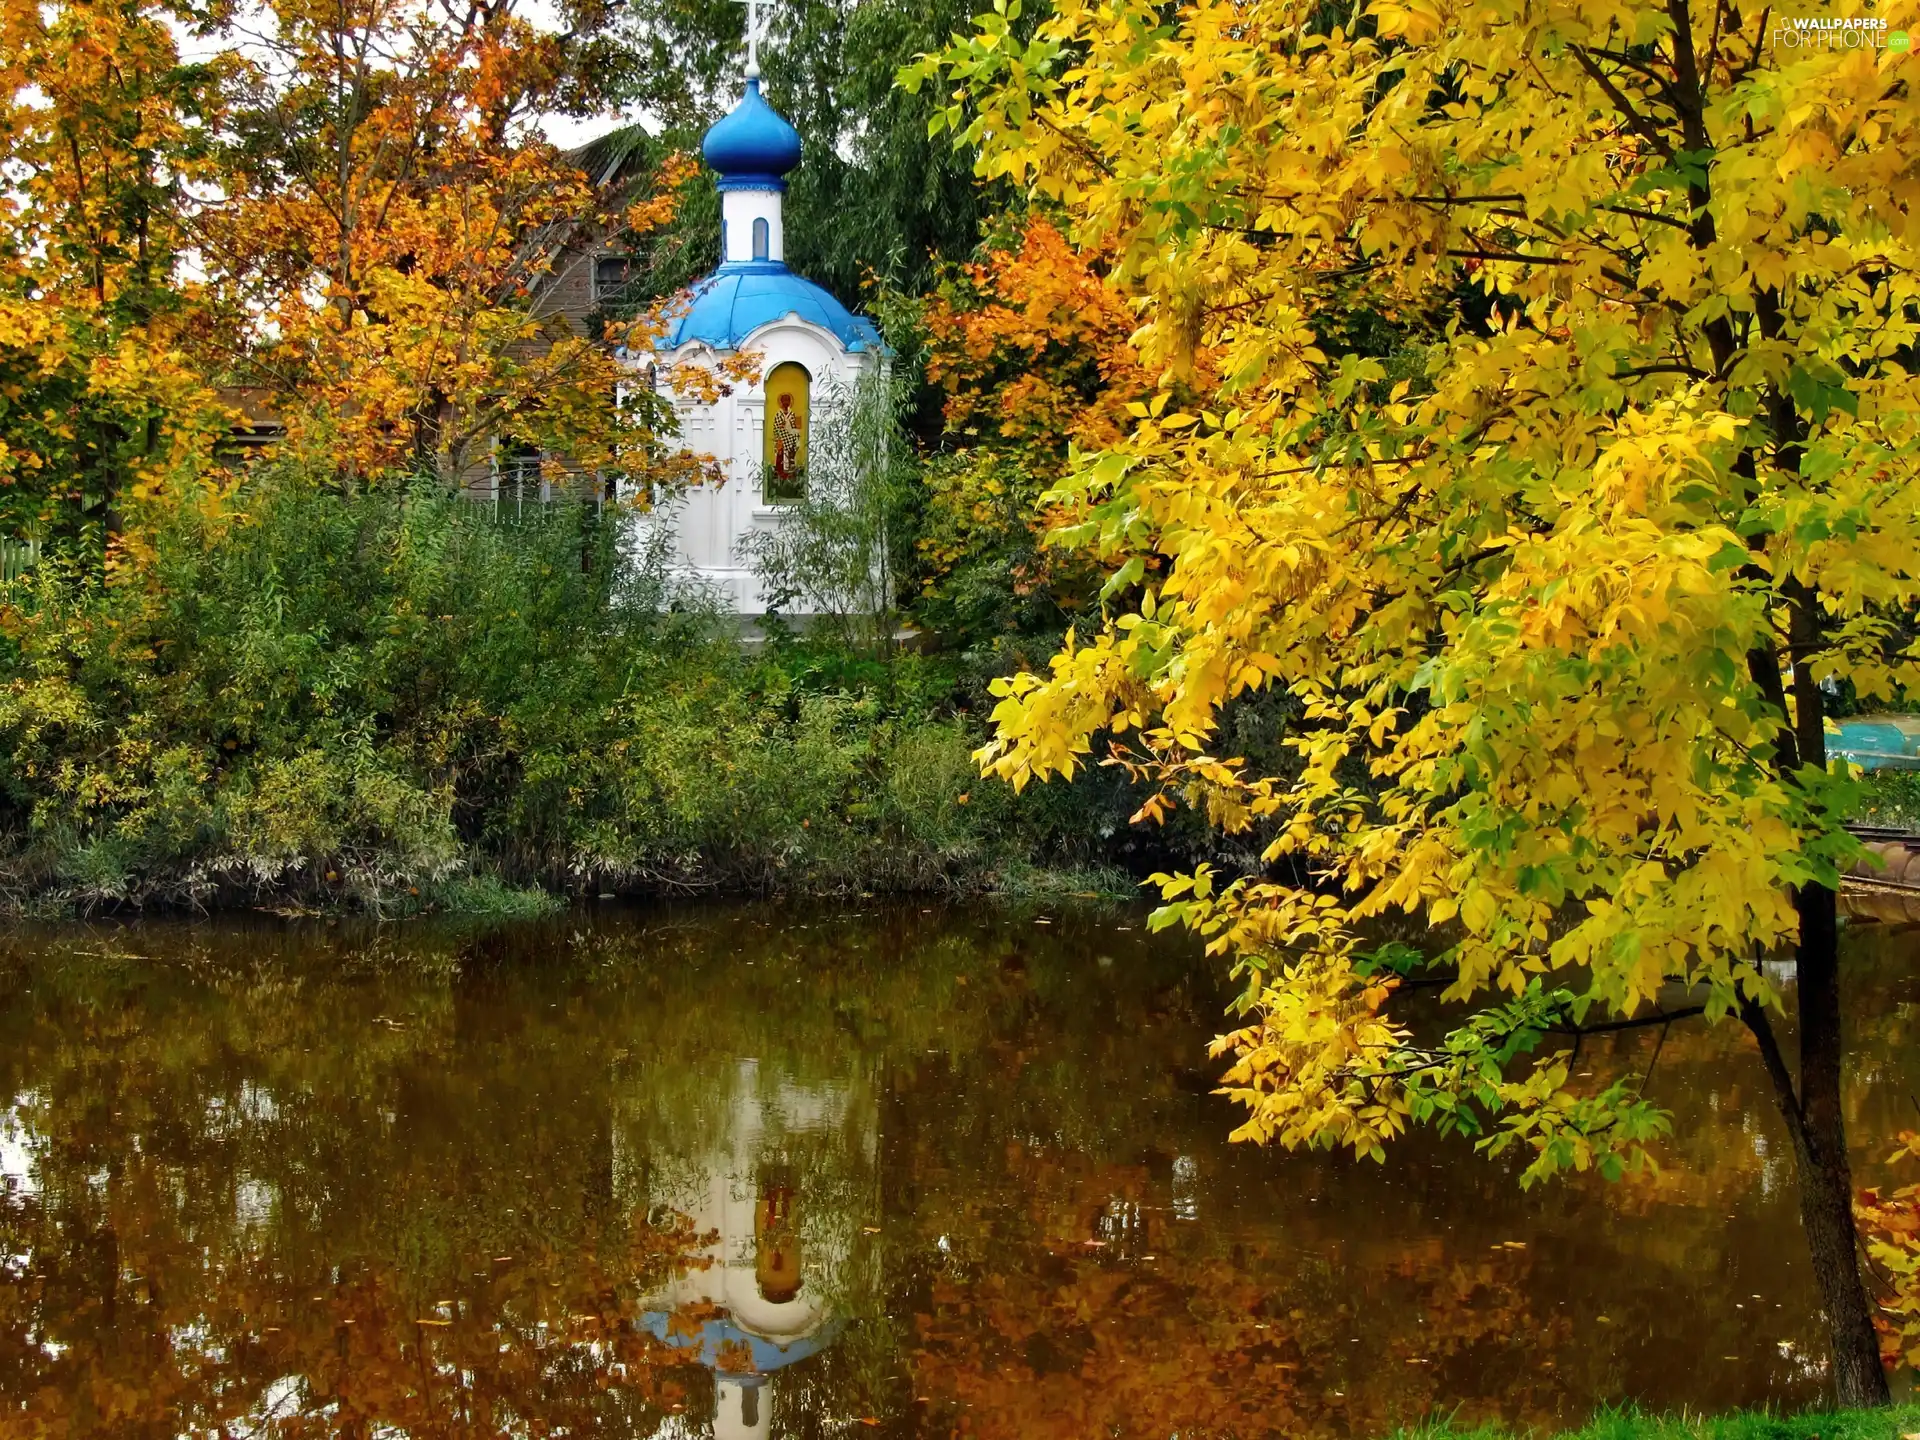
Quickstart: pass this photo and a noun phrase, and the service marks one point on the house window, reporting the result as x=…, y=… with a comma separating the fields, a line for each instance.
x=760, y=239
x=519, y=477
x=786, y=433
x=611, y=276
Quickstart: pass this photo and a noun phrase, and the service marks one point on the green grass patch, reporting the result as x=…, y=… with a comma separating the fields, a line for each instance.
x=1890, y=797
x=488, y=898
x=1890, y=1424
x=1016, y=880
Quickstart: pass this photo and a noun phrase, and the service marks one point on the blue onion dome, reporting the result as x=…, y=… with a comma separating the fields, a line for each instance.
x=752, y=146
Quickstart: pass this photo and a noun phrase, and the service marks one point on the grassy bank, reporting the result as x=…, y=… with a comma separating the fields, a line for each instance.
x=391, y=701
x=1890, y=797
x=1889, y=1424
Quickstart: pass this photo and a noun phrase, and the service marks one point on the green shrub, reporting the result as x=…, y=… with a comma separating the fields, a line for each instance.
x=391, y=699
x=1886, y=1424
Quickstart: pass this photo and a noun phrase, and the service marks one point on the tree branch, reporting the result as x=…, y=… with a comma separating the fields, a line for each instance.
x=1639, y=123
x=1507, y=256
x=1512, y=199
x=1638, y=1022
x=1635, y=213
x=1755, y=1017
x=1672, y=368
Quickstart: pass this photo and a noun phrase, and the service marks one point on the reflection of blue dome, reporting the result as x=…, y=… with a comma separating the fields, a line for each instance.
x=736, y=300
x=723, y=1345
x=752, y=146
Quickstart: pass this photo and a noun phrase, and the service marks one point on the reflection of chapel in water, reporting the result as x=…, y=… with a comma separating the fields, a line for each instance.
x=776, y=1176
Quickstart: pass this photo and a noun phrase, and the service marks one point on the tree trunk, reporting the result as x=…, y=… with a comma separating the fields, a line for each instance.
x=1818, y=1127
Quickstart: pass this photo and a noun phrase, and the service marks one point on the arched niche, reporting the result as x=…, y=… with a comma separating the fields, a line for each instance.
x=789, y=389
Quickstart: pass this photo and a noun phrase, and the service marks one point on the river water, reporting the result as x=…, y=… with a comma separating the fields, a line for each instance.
x=753, y=1171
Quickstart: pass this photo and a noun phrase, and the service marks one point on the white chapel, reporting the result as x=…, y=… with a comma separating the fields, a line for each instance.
x=806, y=344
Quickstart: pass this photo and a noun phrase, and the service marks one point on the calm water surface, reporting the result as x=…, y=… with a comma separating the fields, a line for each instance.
x=755, y=1172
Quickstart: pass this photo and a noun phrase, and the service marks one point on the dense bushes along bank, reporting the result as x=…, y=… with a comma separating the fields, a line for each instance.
x=392, y=700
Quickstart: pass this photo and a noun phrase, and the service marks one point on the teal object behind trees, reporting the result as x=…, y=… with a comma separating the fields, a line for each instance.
x=1879, y=742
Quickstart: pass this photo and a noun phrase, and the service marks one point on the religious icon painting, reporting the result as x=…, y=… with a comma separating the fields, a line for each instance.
x=786, y=432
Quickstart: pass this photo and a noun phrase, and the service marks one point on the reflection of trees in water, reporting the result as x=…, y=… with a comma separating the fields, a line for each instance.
x=1068, y=1344
x=1072, y=1291
x=461, y=1144
x=286, y=1195
x=1684, y=1287
x=266, y=1183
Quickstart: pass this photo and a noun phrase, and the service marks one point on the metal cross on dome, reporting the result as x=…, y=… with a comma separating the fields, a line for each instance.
x=756, y=27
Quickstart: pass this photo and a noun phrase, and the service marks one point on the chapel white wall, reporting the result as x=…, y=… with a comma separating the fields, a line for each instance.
x=711, y=522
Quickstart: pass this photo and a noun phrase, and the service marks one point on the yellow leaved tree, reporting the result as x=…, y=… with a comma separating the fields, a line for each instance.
x=1559, y=602
x=105, y=401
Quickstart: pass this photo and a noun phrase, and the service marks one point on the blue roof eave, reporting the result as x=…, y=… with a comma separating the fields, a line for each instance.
x=738, y=300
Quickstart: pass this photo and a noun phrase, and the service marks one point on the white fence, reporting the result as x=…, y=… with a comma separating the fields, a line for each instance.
x=17, y=557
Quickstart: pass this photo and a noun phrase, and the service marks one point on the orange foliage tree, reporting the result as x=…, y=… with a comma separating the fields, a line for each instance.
x=1028, y=346
x=1891, y=1222
x=391, y=214
x=344, y=216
